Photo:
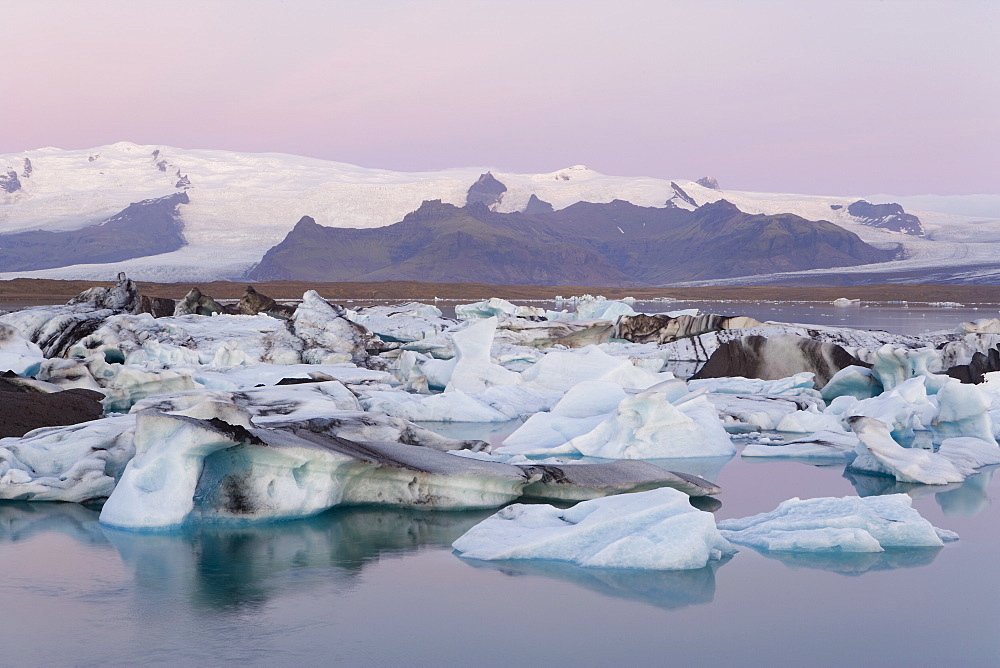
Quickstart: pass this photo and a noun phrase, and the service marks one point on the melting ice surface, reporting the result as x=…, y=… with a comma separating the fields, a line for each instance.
x=382, y=587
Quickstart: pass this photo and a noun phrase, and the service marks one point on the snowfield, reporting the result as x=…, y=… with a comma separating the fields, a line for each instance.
x=247, y=203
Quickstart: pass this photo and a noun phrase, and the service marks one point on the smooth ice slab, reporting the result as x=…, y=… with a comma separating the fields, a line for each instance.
x=830, y=524
x=658, y=529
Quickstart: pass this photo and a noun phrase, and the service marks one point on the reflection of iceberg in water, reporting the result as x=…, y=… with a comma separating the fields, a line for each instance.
x=24, y=520
x=964, y=499
x=223, y=567
x=664, y=589
x=970, y=498
x=856, y=563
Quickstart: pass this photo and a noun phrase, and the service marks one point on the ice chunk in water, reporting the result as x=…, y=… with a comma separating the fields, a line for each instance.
x=657, y=530
x=829, y=524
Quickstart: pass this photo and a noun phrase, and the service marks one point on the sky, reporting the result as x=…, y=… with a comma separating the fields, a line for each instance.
x=842, y=97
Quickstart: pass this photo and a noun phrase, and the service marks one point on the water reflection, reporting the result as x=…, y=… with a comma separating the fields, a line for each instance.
x=856, y=563
x=965, y=499
x=226, y=567
x=664, y=589
x=21, y=521
x=968, y=499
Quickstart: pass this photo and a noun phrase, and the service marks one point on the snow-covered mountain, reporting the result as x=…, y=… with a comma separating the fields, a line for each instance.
x=240, y=205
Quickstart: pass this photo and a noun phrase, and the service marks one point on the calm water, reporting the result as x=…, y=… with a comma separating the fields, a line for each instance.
x=382, y=587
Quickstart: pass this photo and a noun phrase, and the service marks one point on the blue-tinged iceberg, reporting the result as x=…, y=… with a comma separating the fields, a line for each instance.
x=658, y=530
x=829, y=524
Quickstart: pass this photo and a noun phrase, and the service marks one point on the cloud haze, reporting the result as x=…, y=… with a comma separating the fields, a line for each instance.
x=834, y=97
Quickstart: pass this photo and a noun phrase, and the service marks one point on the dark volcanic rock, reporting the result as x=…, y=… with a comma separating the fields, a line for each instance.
x=614, y=243
x=22, y=409
x=680, y=194
x=195, y=303
x=708, y=182
x=537, y=206
x=158, y=307
x=254, y=302
x=26, y=172
x=776, y=357
x=9, y=182
x=661, y=328
x=886, y=216
x=972, y=373
x=486, y=191
x=149, y=227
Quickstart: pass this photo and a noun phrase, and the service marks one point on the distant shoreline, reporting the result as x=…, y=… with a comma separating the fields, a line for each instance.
x=33, y=290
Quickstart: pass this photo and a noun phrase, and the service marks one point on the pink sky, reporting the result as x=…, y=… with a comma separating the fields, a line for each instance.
x=841, y=97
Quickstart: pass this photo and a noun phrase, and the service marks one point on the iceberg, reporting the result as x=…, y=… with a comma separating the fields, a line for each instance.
x=205, y=469
x=955, y=460
x=18, y=354
x=657, y=530
x=833, y=446
x=220, y=340
x=829, y=524
x=490, y=308
x=76, y=463
x=560, y=370
x=327, y=335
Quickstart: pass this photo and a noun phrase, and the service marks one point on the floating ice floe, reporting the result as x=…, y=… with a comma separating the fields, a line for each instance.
x=75, y=463
x=221, y=340
x=401, y=322
x=829, y=524
x=834, y=446
x=206, y=469
x=658, y=530
x=17, y=353
x=560, y=370
x=955, y=460
x=493, y=307
x=660, y=423
x=328, y=337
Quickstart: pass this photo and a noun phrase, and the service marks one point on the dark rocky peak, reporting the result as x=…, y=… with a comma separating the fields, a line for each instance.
x=718, y=210
x=537, y=207
x=836, y=207
x=865, y=209
x=26, y=172
x=431, y=209
x=889, y=216
x=708, y=182
x=679, y=194
x=93, y=157
x=162, y=165
x=487, y=191
x=305, y=223
x=9, y=182
x=182, y=180
x=156, y=154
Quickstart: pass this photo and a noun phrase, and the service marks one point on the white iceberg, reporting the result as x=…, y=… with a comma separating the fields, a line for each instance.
x=17, y=353
x=75, y=463
x=955, y=460
x=657, y=530
x=836, y=446
x=829, y=524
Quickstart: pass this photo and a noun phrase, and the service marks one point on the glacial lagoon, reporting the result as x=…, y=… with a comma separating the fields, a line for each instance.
x=370, y=586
